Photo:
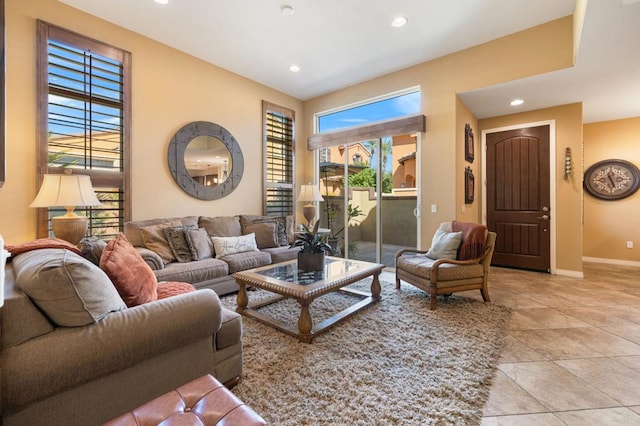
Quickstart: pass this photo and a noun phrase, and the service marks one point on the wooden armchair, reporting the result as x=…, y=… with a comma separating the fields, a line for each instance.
x=445, y=276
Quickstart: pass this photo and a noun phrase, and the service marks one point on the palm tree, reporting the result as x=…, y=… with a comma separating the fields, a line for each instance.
x=371, y=146
x=386, y=148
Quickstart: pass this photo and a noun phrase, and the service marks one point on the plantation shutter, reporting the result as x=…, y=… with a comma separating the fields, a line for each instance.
x=279, y=160
x=85, y=108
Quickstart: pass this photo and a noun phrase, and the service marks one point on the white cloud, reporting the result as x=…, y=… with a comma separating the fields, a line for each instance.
x=409, y=104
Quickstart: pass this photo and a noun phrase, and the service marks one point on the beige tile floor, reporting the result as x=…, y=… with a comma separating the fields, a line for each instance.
x=572, y=355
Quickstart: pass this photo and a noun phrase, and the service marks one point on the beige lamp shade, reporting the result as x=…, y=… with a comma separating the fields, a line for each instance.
x=309, y=194
x=68, y=191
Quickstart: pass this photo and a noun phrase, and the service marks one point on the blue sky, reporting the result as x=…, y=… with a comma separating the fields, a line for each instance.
x=381, y=110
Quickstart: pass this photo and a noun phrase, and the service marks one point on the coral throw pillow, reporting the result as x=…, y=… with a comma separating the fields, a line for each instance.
x=173, y=288
x=131, y=276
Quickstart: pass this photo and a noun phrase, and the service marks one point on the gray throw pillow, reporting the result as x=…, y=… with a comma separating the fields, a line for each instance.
x=69, y=289
x=284, y=226
x=91, y=248
x=200, y=243
x=178, y=244
x=444, y=245
x=266, y=234
x=221, y=226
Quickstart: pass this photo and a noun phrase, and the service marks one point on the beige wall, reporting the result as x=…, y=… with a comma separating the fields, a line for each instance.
x=170, y=89
x=568, y=211
x=540, y=49
x=467, y=212
x=608, y=225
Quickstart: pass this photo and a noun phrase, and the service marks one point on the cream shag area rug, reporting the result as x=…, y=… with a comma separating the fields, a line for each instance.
x=393, y=363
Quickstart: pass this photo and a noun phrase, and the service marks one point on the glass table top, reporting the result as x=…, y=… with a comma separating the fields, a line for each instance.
x=289, y=271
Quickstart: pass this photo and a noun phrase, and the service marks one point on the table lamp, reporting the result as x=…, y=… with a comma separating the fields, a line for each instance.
x=309, y=194
x=68, y=191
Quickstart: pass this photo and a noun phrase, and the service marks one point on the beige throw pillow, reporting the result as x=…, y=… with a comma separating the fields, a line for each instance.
x=154, y=239
x=225, y=246
x=444, y=245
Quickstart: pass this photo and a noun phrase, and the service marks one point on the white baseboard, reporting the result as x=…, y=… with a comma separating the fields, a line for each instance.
x=569, y=273
x=611, y=261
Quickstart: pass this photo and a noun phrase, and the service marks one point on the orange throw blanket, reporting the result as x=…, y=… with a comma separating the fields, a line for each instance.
x=41, y=244
x=473, y=237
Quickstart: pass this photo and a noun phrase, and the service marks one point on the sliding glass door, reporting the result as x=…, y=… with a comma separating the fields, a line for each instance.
x=370, y=197
x=368, y=154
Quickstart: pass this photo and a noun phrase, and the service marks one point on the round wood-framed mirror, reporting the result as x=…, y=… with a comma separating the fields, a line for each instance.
x=205, y=160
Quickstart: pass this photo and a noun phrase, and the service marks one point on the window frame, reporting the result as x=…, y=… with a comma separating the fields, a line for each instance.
x=99, y=178
x=268, y=108
x=367, y=103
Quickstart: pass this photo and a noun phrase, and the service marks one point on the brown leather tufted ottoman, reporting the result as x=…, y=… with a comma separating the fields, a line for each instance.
x=203, y=401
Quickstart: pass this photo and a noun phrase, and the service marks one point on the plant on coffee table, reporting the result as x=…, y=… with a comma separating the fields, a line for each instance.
x=312, y=249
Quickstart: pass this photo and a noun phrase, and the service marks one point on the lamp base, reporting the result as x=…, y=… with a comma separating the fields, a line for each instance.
x=70, y=228
x=309, y=212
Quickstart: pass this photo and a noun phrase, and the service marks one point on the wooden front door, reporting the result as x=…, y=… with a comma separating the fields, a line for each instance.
x=518, y=207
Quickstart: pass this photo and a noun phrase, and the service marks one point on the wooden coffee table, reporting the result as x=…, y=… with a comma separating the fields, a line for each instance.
x=287, y=282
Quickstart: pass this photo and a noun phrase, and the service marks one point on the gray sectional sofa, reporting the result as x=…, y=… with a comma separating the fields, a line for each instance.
x=72, y=352
x=79, y=356
x=206, y=268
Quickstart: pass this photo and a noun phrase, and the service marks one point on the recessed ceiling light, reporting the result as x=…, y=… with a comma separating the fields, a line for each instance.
x=517, y=102
x=287, y=10
x=162, y=1
x=399, y=21
x=294, y=68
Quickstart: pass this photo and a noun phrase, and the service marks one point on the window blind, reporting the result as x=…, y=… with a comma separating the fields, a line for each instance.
x=279, y=160
x=84, y=98
x=85, y=107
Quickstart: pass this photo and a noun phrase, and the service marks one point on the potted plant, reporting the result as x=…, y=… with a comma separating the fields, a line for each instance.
x=313, y=248
x=334, y=238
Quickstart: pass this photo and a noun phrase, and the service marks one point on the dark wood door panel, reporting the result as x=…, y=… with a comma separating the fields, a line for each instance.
x=517, y=172
x=518, y=242
x=518, y=197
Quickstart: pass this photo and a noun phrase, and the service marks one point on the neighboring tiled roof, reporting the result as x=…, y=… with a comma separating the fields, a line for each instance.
x=411, y=156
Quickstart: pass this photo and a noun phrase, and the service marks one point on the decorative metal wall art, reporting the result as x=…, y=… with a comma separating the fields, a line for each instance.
x=469, y=153
x=469, y=186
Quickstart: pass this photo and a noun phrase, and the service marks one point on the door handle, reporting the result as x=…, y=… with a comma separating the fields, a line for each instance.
x=543, y=217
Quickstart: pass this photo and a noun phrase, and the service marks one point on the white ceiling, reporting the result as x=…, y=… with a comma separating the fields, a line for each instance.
x=341, y=42
x=606, y=75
